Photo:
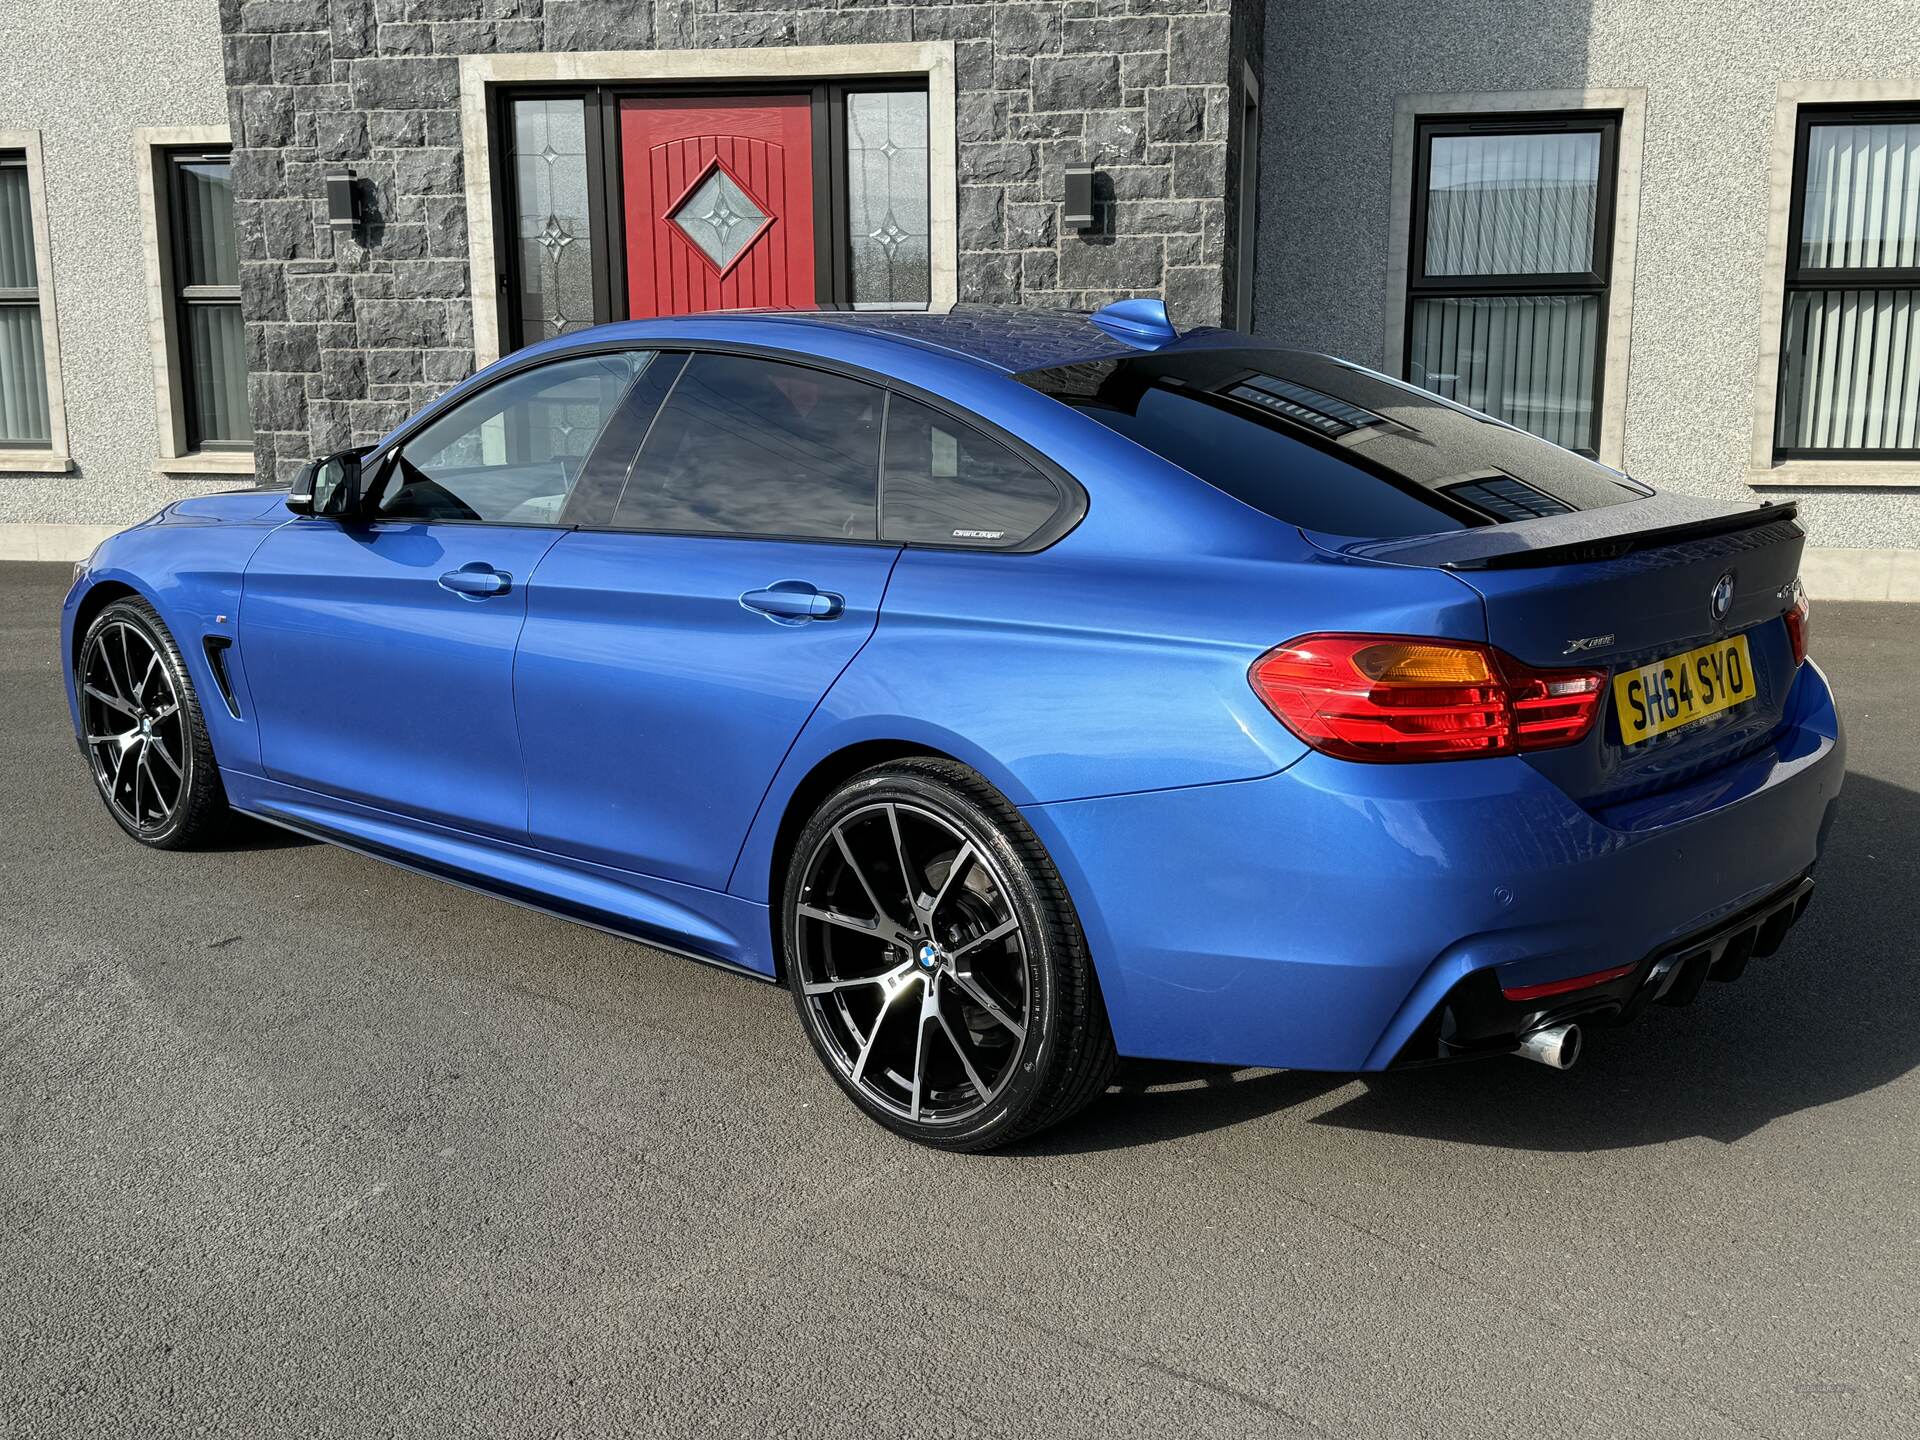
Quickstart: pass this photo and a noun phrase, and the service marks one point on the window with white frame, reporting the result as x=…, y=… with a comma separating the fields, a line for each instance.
x=1510, y=267
x=25, y=417
x=1850, y=325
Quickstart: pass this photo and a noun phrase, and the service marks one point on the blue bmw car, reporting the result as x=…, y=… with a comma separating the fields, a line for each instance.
x=1021, y=689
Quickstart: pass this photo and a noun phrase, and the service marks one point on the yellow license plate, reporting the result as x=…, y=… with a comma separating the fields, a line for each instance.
x=1681, y=689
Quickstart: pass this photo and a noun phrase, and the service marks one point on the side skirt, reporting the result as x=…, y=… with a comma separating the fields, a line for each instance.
x=714, y=929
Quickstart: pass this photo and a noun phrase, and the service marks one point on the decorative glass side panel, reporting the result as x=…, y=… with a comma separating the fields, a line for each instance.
x=552, y=225
x=719, y=218
x=887, y=208
x=1512, y=204
x=23, y=366
x=1862, y=209
x=1527, y=359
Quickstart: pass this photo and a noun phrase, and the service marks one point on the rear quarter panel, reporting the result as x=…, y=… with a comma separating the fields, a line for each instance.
x=1115, y=661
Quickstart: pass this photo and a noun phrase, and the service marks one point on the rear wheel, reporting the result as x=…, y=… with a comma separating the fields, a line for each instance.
x=141, y=724
x=936, y=961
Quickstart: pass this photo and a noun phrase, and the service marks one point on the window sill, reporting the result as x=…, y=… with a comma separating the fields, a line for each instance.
x=207, y=462
x=1838, y=475
x=34, y=462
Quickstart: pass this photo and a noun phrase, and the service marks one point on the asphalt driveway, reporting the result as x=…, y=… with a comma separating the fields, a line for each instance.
x=293, y=1142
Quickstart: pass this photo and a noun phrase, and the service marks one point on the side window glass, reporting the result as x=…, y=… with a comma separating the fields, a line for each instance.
x=754, y=447
x=947, y=484
x=512, y=453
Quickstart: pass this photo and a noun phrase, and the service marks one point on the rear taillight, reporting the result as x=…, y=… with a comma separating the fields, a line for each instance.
x=1395, y=697
x=1798, y=613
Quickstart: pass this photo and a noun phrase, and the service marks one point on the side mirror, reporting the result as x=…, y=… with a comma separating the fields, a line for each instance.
x=328, y=487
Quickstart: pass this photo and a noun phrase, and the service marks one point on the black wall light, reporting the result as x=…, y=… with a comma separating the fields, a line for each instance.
x=1078, y=207
x=343, y=200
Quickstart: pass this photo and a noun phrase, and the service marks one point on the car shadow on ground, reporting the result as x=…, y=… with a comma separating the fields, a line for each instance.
x=1834, y=1013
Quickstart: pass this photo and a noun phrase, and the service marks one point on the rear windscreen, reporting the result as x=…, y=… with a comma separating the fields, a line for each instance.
x=1327, y=446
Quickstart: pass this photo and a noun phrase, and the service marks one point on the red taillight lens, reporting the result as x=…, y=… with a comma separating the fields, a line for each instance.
x=1799, y=612
x=1394, y=697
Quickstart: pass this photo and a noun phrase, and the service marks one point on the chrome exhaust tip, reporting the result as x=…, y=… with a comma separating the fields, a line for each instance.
x=1557, y=1046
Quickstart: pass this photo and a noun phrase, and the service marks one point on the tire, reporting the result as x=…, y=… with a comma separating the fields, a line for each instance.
x=936, y=961
x=135, y=726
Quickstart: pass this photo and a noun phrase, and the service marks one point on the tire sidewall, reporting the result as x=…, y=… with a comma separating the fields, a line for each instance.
x=987, y=831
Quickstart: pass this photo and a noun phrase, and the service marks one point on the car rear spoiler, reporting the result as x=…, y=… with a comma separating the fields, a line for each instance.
x=1613, y=547
x=1578, y=537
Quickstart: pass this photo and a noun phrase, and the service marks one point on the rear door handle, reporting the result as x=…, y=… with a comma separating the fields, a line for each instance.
x=794, y=602
x=477, y=581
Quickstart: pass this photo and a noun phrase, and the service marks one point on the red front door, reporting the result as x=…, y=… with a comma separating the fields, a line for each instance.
x=719, y=202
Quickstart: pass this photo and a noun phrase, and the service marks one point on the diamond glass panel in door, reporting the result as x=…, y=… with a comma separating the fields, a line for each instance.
x=1850, y=354
x=553, y=229
x=207, y=273
x=887, y=207
x=23, y=371
x=719, y=218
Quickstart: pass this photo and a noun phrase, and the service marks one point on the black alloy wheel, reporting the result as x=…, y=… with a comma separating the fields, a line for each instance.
x=142, y=729
x=936, y=962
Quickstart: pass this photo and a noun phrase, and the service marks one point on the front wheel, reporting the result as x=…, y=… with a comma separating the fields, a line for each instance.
x=141, y=724
x=936, y=961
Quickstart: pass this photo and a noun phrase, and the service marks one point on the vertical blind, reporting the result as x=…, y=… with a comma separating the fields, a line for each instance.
x=1506, y=308
x=1512, y=204
x=1850, y=351
x=23, y=369
x=207, y=282
x=1528, y=359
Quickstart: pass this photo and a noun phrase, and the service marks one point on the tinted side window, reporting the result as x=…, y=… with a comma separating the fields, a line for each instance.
x=753, y=447
x=512, y=453
x=947, y=484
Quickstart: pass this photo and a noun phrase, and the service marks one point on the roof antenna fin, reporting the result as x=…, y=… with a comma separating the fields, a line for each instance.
x=1141, y=322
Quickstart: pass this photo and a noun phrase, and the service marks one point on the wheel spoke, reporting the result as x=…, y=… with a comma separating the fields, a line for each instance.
x=978, y=993
x=117, y=737
x=159, y=749
x=112, y=702
x=828, y=987
x=879, y=1022
x=139, y=777
x=1000, y=931
x=153, y=662
x=907, y=877
x=882, y=929
x=961, y=864
x=929, y=1010
x=973, y=1075
x=126, y=667
x=846, y=853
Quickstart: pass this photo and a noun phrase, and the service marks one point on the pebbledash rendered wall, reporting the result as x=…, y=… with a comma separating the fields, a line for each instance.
x=78, y=80
x=344, y=339
x=1713, y=77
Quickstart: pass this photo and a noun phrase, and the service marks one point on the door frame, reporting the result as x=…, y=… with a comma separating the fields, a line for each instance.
x=824, y=73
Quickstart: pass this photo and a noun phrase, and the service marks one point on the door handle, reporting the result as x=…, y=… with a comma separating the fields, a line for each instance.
x=476, y=581
x=794, y=602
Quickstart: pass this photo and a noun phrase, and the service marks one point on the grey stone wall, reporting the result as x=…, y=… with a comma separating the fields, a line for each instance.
x=346, y=338
x=1710, y=69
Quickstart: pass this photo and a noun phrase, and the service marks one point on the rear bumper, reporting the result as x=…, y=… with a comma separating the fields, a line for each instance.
x=1477, y=1017
x=1323, y=917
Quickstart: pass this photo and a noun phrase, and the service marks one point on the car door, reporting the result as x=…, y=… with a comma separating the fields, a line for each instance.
x=678, y=641
x=379, y=650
